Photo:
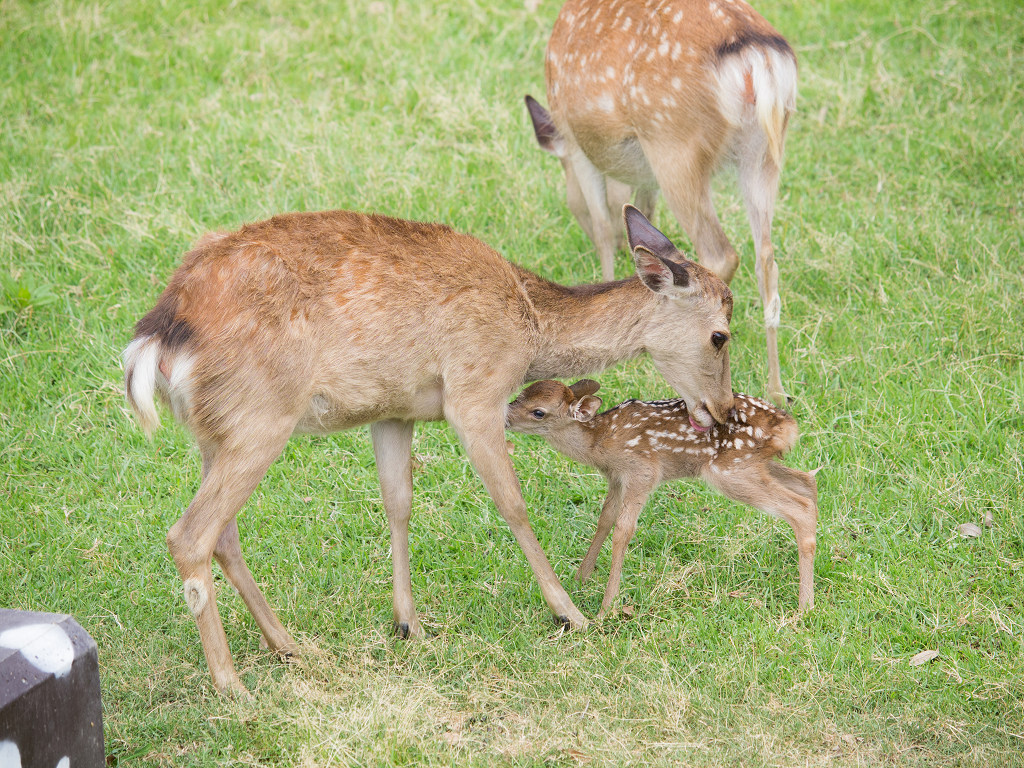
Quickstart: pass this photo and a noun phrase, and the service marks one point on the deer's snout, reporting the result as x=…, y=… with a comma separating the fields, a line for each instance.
x=720, y=409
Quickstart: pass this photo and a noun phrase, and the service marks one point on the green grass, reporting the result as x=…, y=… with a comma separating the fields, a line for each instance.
x=126, y=130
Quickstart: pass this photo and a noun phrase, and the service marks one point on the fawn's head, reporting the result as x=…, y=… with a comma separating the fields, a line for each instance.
x=546, y=406
x=688, y=335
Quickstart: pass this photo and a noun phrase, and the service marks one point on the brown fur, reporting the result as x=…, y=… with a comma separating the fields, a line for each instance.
x=639, y=445
x=659, y=96
x=316, y=322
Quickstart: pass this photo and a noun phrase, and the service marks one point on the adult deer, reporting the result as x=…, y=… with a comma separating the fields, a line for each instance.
x=639, y=445
x=659, y=95
x=317, y=322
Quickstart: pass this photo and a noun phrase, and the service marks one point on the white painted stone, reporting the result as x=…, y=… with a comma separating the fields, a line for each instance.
x=47, y=647
x=10, y=755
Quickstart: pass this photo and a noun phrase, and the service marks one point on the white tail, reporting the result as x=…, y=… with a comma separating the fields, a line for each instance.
x=661, y=97
x=639, y=445
x=316, y=322
x=140, y=357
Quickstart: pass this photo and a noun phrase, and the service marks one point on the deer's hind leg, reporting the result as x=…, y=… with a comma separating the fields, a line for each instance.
x=230, y=475
x=228, y=553
x=759, y=182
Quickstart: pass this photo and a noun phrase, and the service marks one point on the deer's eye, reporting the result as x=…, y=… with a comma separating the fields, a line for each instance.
x=538, y=414
x=718, y=339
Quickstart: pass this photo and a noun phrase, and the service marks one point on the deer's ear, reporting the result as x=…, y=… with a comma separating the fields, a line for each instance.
x=661, y=274
x=544, y=128
x=642, y=234
x=585, y=408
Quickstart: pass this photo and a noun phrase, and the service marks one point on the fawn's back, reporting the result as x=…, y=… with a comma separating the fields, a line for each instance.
x=755, y=430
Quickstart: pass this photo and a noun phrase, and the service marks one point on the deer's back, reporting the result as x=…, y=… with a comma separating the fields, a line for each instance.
x=611, y=67
x=358, y=317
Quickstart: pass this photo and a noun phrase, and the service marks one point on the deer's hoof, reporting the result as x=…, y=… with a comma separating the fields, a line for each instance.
x=567, y=623
x=401, y=630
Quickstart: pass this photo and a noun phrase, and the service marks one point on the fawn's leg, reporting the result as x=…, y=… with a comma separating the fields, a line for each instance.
x=634, y=494
x=609, y=514
x=782, y=492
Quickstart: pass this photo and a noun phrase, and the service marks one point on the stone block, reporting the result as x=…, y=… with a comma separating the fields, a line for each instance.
x=50, y=711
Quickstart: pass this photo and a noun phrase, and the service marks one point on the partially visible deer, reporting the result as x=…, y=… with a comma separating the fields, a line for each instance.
x=318, y=322
x=660, y=95
x=638, y=446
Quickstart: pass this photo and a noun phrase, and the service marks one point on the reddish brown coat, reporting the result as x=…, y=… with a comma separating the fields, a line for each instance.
x=315, y=322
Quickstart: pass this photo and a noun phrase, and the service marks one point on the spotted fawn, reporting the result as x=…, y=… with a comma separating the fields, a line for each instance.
x=638, y=445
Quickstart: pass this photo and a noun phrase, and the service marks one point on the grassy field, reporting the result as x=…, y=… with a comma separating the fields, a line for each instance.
x=128, y=129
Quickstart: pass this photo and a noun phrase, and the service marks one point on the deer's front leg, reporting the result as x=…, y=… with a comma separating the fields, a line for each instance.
x=593, y=187
x=392, y=448
x=484, y=440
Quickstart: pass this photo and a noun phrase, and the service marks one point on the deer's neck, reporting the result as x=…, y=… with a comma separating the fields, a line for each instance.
x=588, y=328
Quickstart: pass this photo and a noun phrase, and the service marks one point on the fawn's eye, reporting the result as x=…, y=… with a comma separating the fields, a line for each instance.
x=538, y=414
x=718, y=339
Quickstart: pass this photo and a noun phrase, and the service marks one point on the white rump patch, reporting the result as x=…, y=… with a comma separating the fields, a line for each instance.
x=179, y=388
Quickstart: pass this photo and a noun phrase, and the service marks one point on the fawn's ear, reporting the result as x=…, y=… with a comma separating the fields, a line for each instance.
x=585, y=408
x=584, y=387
